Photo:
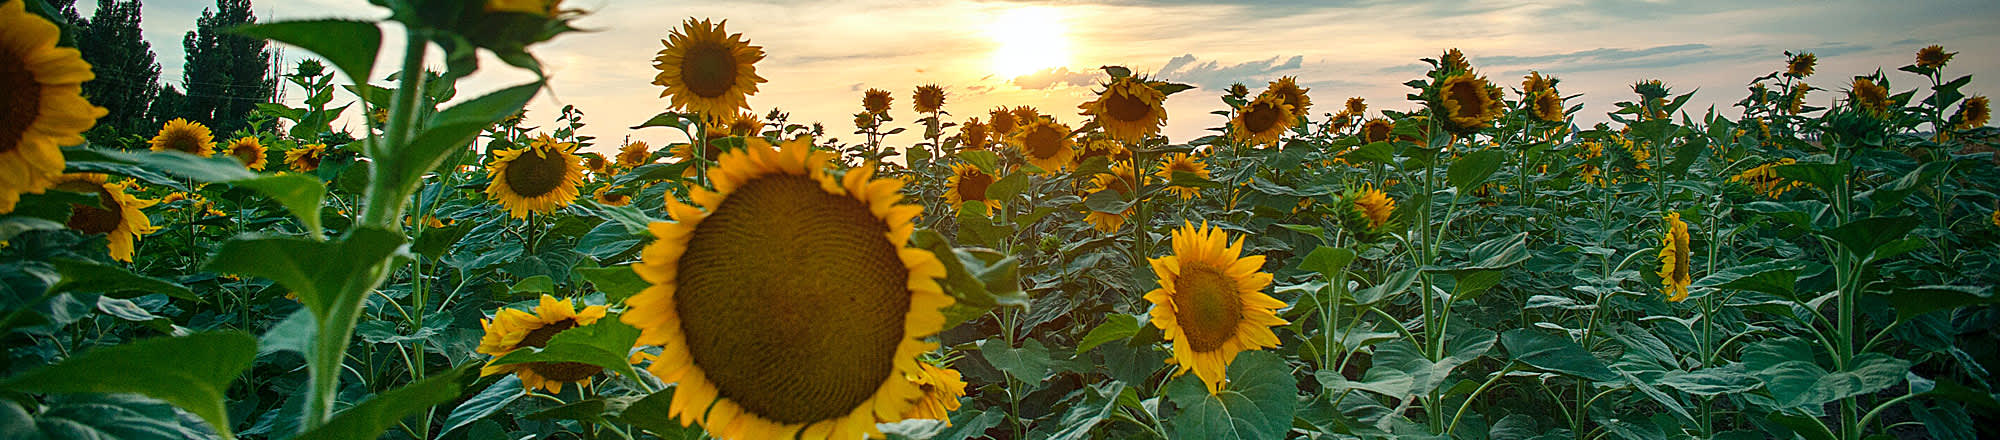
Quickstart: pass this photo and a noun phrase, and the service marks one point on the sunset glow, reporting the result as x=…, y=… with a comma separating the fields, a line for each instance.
x=1029, y=39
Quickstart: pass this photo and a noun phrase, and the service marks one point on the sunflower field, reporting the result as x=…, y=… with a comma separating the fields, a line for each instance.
x=1470, y=264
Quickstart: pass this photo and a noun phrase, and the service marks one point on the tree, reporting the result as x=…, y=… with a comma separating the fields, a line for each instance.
x=226, y=74
x=127, y=72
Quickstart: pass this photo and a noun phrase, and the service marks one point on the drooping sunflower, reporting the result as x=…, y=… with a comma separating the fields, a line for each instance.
x=968, y=184
x=876, y=101
x=1547, y=106
x=1003, y=122
x=786, y=302
x=540, y=177
x=1377, y=130
x=1800, y=65
x=249, y=151
x=1183, y=163
x=1933, y=57
x=635, y=154
x=1764, y=179
x=1046, y=144
x=43, y=107
x=1128, y=109
x=605, y=197
x=942, y=387
x=1287, y=89
x=1120, y=180
x=1795, y=101
x=973, y=135
x=1466, y=103
x=1973, y=113
x=1211, y=302
x=514, y=329
x=186, y=137
x=1869, y=96
x=117, y=215
x=1675, y=259
x=929, y=98
x=305, y=158
x=1263, y=121
x=1376, y=205
x=706, y=69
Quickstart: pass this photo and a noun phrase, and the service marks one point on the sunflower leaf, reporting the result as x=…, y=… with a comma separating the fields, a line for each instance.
x=1115, y=326
x=370, y=418
x=1554, y=353
x=1471, y=170
x=1257, y=403
x=299, y=194
x=606, y=343
x=91, y=276
x=191, y=372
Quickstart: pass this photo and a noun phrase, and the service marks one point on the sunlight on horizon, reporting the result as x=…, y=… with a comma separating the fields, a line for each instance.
x=1030, y=39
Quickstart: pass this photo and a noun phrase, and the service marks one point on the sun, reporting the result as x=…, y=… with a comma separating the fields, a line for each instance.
x=1029, y=40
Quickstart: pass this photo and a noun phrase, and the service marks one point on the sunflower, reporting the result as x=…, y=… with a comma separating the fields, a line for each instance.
x=1764, y=179
x=540, y=178
x=1933, y=57
x=305, y=158
x=1355, y=106
x=1129, y=110
x=514, y=329
x=1002, y=121
x=1262, y=121
x=1467, y=102
x=1287, y=89
x=1454, y=61
x=1183, y=163
x=685, y=153
x=1098, y=146
x=186, y=137
x=968, y=184
x=941, y=386
x=1973, y=113
x=1377, y=130
x=1869, y=96
x=1238, y=90
x=249, y=151
x=1547, y=106
x=1025, y=115
x=876, y=101
x=706, y=69
x=635, y=154
x=786, y=302
x=973, y=135
x=1795, y=102
x=117, y=215
x=1121, y=179
x=1535, y=83
x=1674, y=258
x=745, y=125
x=1801, y=65
x=1211, y=302
x=1046, y=144
x=1376, y=205
x=1996, y=219
x=598, y=164
x=43, y=107
x=929, y=98
x=1590, y=172
x=605, y=197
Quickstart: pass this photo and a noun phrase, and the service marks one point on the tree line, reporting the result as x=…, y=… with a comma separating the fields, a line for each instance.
x=224, y=77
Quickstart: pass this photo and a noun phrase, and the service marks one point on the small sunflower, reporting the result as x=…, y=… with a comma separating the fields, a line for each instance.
x=1764, y=179
x=1675, y=258
x=1795, y=102
x=1098, y=146
x=1973, y=113
x=1869, y=96
x=514, y=329
x=1287, y=89
x=186, y=137
x=1211, y=302
x=745, y=125
x=1535, y=83
x=1355, y=107
x=635, y=154
x=605, y=197
x=1376, y=205
x=1238, y=90
x=876, y=101
x=539, y=178
x=305, y=158
x=786, y=302
x=1182, y=162
x=974, y=135
x=1467, y=103
x=1129, y=110
x=249, y=151
x=968, y=184
x=1003, y=122
x=1263, y=121
x=598, y=165
x=929, y=98
x=43, y=107
x=706, y=69
x=1025, y=115
x=117, y=215
x=1933, y=57
x=1547, y=106
x=1121, y=180
x=1454, y=61
x=1996, y=219
x=1377, y=130
x=942, y=387
x=1801, y=65
x=1046, y=144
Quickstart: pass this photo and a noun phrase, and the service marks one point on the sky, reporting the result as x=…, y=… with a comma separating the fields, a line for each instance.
x=821, y=55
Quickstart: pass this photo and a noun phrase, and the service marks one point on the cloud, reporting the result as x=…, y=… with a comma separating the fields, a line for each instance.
x=1213, y=75
x=1055, y=77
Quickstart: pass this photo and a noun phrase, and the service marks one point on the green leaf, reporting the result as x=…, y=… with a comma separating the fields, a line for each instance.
x=1389, y=382
x=533, y=284
x=350, y=45
x=1116, y=326
x=1863, y=236
x=1328, y=261
x=1426, y=375
x=1099, y=402
x=452, y=130
x=1805, y=426
x=1108, y=202
x=1715, y=381
x=91, y=276
x=1472, y=169
x=979, y=279
x=1257, y=402
x=191, y=372
x=1825, y=176
x=315, y=270
x=1498, y=253
x=1775, y=277
x=650, y=414
x=1029, y=363
x=617, y=282
x=300, y=194
x=606, y=343
x=987, y=162
x=370, y=418
x=292, y=334
x=636, y=222
x=495, y=397
x=1377, y=152
x=15, y=225
x=1006, y=188
x=95, y=416
x=670, y=119
x=1913, y=301
x=1554, y=353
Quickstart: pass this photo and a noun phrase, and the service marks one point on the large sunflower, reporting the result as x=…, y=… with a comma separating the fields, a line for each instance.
x=968, y=184
x=514, y=329
x=706, y=69
x=929, y=98
x=43, y=106
x=1287, y=89
x=942, y=387
x=786, y=302
x=1211, y=302
x=1046, y=144
x=1120, y=180
x=1675, y=258
x=305, y=158
x=1546, y=105
x=1183, y=163
x=1466, y=102
x=635, y=154
x=249, y=151
x=186, y=137
x=1129, y=110
x=117, y=215
x=876, y=101
x=540, y=178
x=1262, y=121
